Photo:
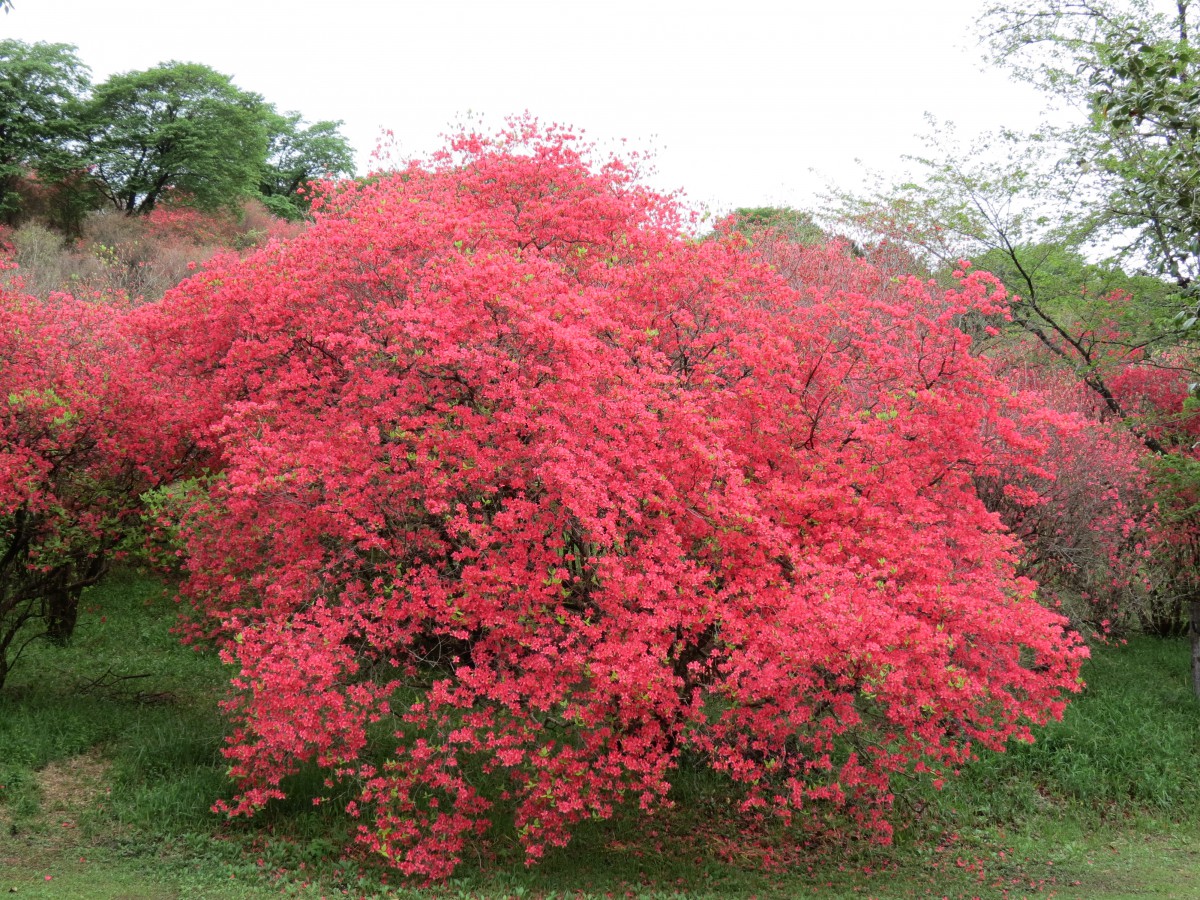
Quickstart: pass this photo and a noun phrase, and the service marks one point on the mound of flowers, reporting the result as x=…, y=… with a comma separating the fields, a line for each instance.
x=513, y=473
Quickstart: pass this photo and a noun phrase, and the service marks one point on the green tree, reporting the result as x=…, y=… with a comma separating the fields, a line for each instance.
x=39, y=84
x=178, y=126
x=796, y=225
x=1131, y=68
x=1111, y=187
x=1134, y=69
x=297, y=154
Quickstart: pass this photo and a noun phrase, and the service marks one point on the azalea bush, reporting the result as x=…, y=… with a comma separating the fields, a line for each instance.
x=1110, y=529
x=1088, y=519
x=1160, y=392
x=78, y=445
x=506, y=467
x=1082, y=506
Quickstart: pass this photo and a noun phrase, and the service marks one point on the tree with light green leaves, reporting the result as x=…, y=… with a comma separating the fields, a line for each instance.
x=1132, y=69
x=1093, y=222
x=796, y=224
x=1018, y=208
x=1132, y=66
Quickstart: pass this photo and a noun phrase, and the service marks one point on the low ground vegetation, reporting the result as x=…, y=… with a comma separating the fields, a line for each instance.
x=139, y=259
x=111, y=754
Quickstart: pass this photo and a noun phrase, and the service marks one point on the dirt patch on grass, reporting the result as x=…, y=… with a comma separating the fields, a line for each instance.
x=72, y=787
x=66, y=791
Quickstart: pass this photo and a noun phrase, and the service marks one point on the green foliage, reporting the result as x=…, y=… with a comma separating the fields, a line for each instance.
x=124, y=683
x=1130, y=168
x=178, y=126
x=38, y=84
x=1026, y=222
x=796, y=225
x=1130, y=745
x=1075, y=294
x=960, y=203
x=1131, y=67
x=298, y=154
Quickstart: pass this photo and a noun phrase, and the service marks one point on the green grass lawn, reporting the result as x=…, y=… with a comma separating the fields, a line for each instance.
x=110, y=759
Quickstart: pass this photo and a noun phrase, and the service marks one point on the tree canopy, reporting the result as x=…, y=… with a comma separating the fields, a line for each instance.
x=179, y=129
x=1091, y=222
x=1132, y=67
x=179, y=126
x=38, y=85
x=299, y=153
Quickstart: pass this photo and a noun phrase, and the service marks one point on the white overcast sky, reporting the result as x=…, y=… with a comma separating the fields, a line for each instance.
x=743, y=103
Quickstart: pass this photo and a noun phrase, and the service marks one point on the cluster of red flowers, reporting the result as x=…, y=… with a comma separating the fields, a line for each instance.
x=512, y=464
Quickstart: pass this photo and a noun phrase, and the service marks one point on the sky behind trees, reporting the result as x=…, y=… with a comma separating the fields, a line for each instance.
x=742, y=105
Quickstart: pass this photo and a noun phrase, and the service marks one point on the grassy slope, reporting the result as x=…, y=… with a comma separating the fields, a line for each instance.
x=106, y=782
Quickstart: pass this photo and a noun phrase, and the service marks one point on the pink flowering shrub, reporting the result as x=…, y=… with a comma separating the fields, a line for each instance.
x=511, y=469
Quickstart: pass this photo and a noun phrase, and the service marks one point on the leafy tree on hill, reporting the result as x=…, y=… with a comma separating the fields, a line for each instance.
x=38, y=85
x=1019, y=220
x=511, y=469
x=793, y=224
x=1093, y=225
x=178, y=126
x=300, y=153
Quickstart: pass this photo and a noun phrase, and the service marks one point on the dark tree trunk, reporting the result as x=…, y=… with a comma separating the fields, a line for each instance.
x=63, y=602
x=61, y=615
